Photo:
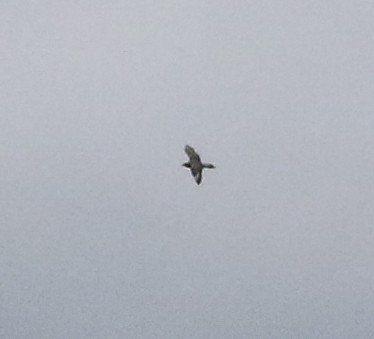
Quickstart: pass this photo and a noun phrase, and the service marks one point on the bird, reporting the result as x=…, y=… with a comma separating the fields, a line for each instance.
x=195, y=164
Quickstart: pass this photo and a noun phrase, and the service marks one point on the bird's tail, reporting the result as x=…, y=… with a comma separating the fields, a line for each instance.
x=208, y=166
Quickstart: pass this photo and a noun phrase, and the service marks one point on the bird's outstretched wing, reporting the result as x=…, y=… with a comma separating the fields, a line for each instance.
x=191, y=153
x=197, y=175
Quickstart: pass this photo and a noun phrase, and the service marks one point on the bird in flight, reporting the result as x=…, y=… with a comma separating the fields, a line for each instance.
x=195, y=164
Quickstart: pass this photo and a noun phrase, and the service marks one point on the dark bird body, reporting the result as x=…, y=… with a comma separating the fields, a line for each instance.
x=195, y=164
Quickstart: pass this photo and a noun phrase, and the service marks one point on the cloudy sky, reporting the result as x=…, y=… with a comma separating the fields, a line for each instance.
x=104, y=235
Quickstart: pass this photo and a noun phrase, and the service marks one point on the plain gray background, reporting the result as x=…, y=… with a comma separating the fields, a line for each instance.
x=105, y=235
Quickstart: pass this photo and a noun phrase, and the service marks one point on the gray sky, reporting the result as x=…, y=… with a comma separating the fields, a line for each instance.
x=105, y=235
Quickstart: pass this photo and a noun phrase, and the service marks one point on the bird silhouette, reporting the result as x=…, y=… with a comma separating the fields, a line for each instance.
x=195, y=164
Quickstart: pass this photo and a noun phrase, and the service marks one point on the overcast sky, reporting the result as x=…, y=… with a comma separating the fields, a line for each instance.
x=104, y=234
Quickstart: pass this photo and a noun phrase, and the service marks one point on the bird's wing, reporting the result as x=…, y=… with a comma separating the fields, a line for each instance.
x=191, y=153
x=197, y=175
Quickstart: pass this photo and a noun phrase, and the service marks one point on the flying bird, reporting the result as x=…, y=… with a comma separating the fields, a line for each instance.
x=195, y=164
